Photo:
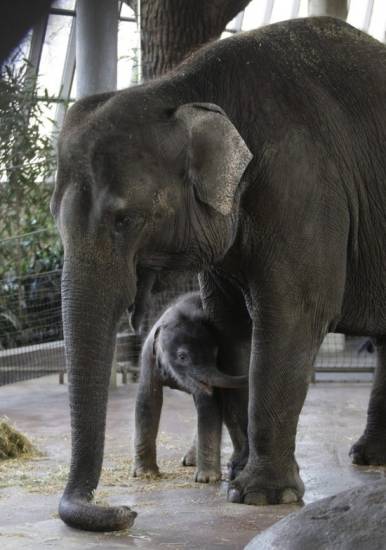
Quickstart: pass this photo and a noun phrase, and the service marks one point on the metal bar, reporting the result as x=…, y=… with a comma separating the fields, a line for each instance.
x=62, y=11
x=36, y=48
x=334, y=8
x=23, y=235
x=67, y=79
x=345, y=369
x=55, y=99
x=96, y=46
x=139, y=52
x=268, y=12
x=369, y=11
x=295, y=9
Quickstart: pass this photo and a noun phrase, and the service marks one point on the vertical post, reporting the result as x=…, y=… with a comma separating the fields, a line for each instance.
x=335, y=8
x=96, y=46
x=139, y=52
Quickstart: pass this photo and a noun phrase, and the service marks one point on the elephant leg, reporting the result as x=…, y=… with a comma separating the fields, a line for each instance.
x=147, y=416
x=235, y=413
x=370, y=449
x=226, y=306
x=190, y=457
x=209, y=428
x=283, y=350
x=234, y=357
x=239, y=458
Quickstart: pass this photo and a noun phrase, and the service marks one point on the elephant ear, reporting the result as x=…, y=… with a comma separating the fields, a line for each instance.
x=217, y=155
x=155, y=340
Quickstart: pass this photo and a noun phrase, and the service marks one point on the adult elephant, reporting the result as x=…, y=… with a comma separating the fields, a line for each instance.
x=149, y=180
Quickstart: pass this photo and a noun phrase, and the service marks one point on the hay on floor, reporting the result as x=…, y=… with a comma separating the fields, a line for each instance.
x=14, y=444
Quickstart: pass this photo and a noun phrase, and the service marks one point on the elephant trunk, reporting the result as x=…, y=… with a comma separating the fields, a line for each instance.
x=90, y=315
x=219, y=379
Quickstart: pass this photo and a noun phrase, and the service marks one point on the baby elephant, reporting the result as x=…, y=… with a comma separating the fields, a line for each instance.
x=181, y=352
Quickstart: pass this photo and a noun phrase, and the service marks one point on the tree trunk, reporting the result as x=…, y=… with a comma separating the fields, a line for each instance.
x=172, y=29
x=335, y=8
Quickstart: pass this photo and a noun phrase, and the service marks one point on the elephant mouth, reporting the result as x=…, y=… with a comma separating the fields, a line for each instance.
x=204, y=387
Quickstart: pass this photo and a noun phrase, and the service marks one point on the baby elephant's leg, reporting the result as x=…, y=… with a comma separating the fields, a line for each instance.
x=209, y=426
x=190, y=458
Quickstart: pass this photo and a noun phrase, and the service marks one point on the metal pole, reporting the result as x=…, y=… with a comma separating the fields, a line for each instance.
x=96, y=46
x=139, y=54
x=335, y=8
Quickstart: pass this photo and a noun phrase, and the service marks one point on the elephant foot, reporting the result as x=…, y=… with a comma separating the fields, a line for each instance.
x=264, y=485
x=146, y=471
x=80, y=513
x=207, y=475
x=190, y=458
x=369, y=451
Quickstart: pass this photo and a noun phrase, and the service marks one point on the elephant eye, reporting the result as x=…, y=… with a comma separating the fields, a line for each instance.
x=182, y=355
x=121, y=221
x=124, y=220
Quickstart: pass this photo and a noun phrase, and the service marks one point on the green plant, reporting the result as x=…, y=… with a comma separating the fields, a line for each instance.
x=27, y=163
x=29, y=244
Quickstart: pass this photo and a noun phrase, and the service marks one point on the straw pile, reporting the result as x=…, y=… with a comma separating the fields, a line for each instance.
x=14, y=444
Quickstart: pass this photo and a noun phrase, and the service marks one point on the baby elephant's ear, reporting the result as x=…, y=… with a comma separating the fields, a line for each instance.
x=218, y=155
x=155, y=340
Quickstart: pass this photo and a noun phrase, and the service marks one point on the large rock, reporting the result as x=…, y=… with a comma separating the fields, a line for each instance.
x=351, y=520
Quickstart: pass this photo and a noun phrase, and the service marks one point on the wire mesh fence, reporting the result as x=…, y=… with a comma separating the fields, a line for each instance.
x=31, y=334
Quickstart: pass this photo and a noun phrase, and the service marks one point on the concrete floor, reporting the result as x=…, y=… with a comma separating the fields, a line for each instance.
x=174, y=513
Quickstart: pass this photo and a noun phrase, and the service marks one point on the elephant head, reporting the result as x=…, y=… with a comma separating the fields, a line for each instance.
x=188, y=352
x=141, y=187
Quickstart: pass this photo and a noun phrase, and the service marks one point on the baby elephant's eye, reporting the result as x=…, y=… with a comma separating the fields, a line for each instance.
x=182, y=355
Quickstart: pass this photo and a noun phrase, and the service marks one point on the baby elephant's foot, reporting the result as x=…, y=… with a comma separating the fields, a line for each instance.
x=369, y=451
x=190, y=458
x=207, y=475
x=264, y=485
x=146, y=471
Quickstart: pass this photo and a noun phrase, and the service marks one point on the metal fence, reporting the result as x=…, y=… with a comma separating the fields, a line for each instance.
x=31, y=332
x=31, y=336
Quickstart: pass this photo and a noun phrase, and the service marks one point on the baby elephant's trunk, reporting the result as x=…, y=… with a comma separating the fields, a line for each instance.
x=218, y=379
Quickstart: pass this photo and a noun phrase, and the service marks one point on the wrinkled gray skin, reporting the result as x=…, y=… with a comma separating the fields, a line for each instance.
x=261, y=163
x=181, y=352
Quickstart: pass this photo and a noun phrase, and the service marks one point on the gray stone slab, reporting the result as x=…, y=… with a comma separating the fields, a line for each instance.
x=351, y=520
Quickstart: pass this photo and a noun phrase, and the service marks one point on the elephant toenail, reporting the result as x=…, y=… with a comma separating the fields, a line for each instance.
x=289, y=496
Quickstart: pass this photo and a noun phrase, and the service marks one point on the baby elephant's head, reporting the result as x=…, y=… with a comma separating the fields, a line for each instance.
x=188, y=350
